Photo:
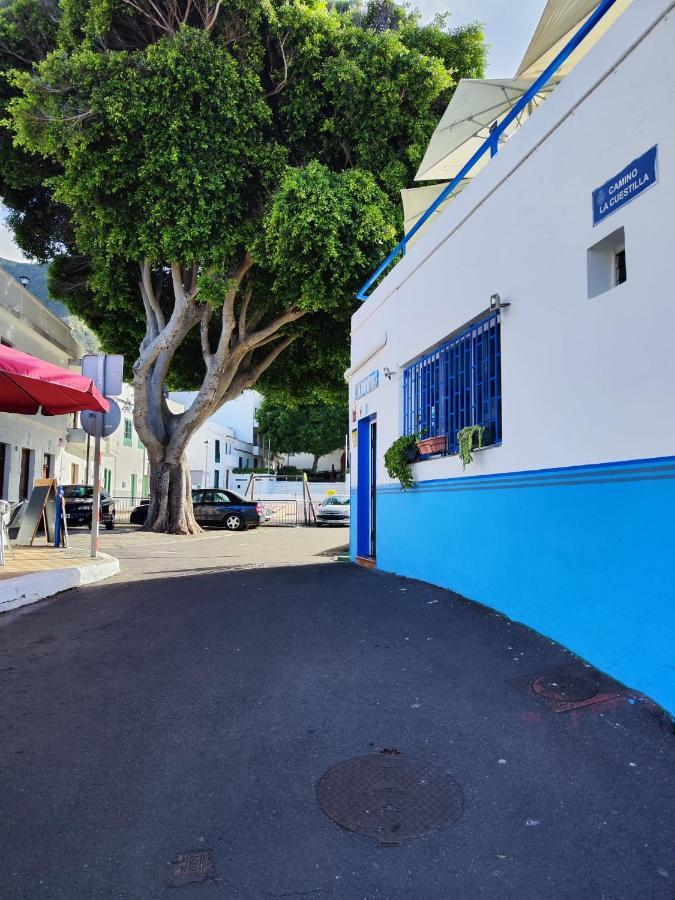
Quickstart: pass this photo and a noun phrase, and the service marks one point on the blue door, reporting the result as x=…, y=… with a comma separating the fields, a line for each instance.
x=366, y=496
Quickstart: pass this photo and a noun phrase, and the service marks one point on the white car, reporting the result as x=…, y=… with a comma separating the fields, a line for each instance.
x=334, y=510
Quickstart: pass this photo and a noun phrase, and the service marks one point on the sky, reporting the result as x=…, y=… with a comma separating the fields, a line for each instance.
x=508, y=28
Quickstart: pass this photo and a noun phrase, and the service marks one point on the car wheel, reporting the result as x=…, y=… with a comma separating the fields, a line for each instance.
x=110, y=524
x=234, y=522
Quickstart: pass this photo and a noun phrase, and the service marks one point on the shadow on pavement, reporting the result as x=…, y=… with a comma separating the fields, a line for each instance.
x=141, y=721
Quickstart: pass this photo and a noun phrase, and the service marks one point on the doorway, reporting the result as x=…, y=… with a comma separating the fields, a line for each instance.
x=366, y=495
x=74, y=473
x=25, y=473
x=47, y=465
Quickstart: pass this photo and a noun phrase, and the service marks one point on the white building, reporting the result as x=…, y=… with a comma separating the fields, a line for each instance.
x=32, y=446
x=214, y=452
x=227, y=441
x=565, y=521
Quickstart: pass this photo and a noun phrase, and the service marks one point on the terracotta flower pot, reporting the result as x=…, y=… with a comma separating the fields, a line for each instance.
x=430, y=446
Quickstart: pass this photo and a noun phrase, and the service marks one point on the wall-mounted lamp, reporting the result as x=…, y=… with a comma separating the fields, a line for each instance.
x=25, y=280
x=388, y=374
x=496, y=302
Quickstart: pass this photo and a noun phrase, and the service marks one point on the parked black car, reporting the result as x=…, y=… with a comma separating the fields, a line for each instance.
x=215, y=507
x=79, y=500
x=140, y=513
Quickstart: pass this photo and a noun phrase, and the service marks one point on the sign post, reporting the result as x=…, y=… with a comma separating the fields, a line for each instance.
x=96, y=499
x=106, y=373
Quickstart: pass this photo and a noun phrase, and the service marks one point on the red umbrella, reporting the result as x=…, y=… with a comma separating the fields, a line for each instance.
x=28, y=384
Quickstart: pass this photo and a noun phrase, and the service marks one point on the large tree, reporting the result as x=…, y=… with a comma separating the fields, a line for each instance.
x=315, y=428
x=213, y=180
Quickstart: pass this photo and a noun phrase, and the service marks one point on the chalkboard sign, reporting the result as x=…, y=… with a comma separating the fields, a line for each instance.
x=41, y=507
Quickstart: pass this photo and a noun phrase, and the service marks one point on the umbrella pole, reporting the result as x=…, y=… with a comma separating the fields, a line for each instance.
x=96, y=499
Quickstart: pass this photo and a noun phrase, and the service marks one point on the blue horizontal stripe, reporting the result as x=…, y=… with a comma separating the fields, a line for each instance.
x=623, y=470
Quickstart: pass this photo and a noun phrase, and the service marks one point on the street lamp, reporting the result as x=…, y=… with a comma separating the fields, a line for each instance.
x=206, y=462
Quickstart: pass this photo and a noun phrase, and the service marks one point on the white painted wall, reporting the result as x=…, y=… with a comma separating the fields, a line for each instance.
x=202, y=455
x=304, y=461
x=584, y=381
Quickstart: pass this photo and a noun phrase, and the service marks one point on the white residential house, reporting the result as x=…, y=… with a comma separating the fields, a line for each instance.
x=227, y=441
x=32, y=446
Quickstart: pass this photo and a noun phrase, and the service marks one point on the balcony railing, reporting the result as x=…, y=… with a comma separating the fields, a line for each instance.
x=491, y=144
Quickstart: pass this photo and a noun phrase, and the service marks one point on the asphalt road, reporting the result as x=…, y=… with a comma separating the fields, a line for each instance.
x=147, y=717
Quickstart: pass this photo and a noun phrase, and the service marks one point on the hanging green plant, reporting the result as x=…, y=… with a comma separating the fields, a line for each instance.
x=398, y=457
x=468, y=439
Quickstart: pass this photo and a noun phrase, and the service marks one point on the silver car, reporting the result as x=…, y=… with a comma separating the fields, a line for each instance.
x=334, y=510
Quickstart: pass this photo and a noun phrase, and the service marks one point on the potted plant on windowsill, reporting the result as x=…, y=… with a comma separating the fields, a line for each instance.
x=430, y=446
x=398, y=458
x=469, y=439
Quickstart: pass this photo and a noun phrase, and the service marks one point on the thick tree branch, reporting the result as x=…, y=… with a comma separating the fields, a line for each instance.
x=261, y=336
x=219, y=358
x=146, y=275
x=248, y=378
x=204, y=334
x=248, y=293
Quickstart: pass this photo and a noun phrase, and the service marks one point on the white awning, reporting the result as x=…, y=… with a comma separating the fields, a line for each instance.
x=475, y=106
x=558, y=24
x=416, y=201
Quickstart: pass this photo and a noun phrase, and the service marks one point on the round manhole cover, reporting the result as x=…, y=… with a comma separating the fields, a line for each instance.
x=390, y=798
x=566, y=687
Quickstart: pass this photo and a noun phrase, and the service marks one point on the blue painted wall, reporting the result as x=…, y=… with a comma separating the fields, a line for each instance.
x=585, y=555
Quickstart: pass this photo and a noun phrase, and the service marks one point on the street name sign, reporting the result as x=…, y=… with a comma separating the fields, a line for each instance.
x=367, y=384
x=632, y=181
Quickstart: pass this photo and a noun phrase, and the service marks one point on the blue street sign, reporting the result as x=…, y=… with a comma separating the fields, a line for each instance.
x=634, y=180
x=367, y=384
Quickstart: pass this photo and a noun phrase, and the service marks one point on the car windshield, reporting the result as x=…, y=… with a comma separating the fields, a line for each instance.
x=78, y=492
x=337, y=500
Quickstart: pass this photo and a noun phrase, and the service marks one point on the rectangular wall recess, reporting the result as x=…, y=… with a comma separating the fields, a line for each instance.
x=607, y=264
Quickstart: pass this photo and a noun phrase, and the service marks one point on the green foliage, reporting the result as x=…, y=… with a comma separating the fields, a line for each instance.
x=316, y=428
x=469, y=439
x=329, y=211
x=158, y=147
x=398, y=457
x=283, y=128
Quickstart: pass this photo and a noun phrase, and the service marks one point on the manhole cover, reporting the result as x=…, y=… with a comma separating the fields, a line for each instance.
x=565, y=687
x=390, y=798
x=193, y=867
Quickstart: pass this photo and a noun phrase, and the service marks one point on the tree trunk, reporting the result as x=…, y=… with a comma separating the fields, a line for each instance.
x=170, y=508
x=315, y=463
x=231, y=367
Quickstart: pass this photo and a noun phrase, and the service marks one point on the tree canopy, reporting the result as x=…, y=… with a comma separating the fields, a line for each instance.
x=316, y=428
x=213, y=181
x=166, y=130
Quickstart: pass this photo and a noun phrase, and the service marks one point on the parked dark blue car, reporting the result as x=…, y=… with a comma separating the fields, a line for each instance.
x=215, y=507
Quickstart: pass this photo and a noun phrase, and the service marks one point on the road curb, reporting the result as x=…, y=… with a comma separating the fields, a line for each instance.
x=25, y=589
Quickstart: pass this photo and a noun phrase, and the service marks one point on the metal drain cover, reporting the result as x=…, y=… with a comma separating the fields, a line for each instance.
x=565, y=687
x=390, y=798
x=193, y=867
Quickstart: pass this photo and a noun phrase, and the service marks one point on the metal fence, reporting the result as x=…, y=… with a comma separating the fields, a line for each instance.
x=288, y=512
x=123, y=508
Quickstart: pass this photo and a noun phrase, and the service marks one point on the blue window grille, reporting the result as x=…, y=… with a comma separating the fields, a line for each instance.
x=457, y=384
